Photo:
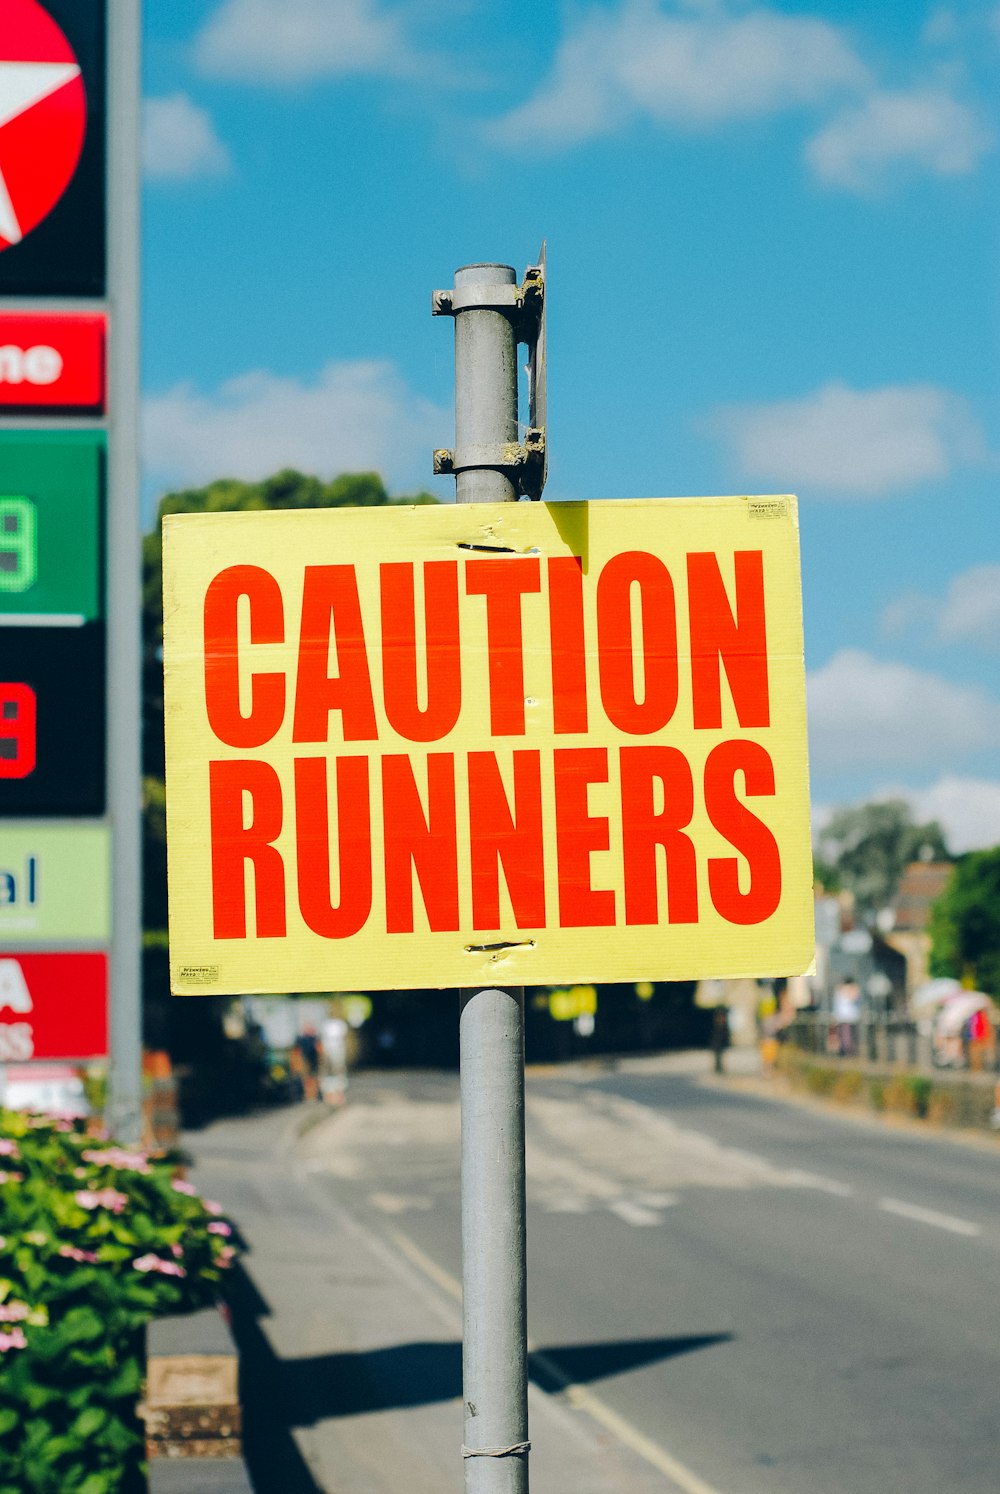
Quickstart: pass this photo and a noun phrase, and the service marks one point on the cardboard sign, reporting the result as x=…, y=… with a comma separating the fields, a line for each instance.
x=55, y=885
x=53, y=1006
x=449, y=746
x=52, y=363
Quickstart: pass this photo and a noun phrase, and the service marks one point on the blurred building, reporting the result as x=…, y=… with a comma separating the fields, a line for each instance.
x=921, y=884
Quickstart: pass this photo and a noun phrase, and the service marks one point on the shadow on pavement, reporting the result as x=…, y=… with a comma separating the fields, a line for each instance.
x=279, y=1394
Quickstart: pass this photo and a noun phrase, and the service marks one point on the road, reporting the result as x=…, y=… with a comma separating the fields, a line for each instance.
x=727, y=1294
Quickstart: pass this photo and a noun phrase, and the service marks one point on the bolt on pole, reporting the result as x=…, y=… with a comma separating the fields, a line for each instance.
x=488, y=463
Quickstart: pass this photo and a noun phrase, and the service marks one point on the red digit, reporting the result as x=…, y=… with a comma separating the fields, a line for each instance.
x=17, y=731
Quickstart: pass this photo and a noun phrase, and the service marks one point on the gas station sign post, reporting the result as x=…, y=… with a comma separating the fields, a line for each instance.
x=69, y=541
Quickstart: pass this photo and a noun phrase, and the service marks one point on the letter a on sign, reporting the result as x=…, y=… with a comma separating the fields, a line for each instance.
x=526, y=743
x=14, y=993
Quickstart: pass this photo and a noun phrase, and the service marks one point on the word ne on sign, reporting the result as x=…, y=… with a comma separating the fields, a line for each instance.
x=530, y=743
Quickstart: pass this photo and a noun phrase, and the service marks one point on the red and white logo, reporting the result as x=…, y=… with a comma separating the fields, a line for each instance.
x=43, y=117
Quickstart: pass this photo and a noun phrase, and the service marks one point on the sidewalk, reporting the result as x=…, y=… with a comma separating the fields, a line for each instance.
x=351, y=1357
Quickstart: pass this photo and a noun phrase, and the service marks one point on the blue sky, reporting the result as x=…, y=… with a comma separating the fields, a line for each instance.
x=773, y=266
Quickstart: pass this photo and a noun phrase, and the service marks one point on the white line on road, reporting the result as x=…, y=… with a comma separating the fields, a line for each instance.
x=651, y=1452
x=634, y=1213
x=575, y=1395
x=799, y=1179
x=929, y=1216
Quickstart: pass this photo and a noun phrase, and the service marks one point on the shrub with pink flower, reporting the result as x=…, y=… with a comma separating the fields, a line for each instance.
x=96, y=1240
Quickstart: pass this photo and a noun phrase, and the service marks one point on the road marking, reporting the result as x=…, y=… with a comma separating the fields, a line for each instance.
x=658, y=1200
x=398, y=1203
x=575, y=1395
x=417, y=1257
x=799, y=1179
x=634, y=1213
x=651, y=1452
x=929, y=1216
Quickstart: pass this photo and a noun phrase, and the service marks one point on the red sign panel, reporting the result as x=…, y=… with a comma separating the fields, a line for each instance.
x=53, y=1006
x=52, y=362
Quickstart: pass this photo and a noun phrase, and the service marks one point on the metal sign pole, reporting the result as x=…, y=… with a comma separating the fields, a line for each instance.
x=494, y=1274
x=124, y=596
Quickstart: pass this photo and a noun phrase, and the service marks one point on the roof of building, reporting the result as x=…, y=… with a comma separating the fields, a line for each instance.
x=920, y=885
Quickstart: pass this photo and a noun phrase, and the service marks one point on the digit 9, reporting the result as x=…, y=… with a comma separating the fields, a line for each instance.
x=17, y=730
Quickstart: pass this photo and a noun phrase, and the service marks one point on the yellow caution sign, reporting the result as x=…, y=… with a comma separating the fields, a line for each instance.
x=447, y=746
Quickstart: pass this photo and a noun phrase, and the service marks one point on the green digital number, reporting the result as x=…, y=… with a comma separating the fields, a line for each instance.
x=18, y=544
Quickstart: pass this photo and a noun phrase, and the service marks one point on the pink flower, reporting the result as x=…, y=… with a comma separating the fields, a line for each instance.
x=11, y=1177
x=13, y=1312
x=226, y=1255
x=79, y=1172
x=156, y=1263
x=102, y=1198
x=116, y=1156
x=180, y=1185
x=177, y=1251
x=73, y=1254
x=8, y=1148
x=15, y=1339
x=211, y=1206
x=217, y=1227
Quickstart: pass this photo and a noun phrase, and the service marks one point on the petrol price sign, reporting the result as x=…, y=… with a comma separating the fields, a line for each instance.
x=52, y=721
x=53, y=1006
x=51, y=512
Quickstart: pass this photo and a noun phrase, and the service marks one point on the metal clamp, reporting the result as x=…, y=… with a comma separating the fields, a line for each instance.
x=525, y=460
x=522, y=302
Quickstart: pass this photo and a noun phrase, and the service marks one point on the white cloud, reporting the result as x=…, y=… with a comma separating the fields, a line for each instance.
x=179, y=140
x=695, y=69
x=855, y=442
x=968, y=612
x=968, y=810
x=865, y=713
x=289, y=41
x=353, y=417
x=867, y=145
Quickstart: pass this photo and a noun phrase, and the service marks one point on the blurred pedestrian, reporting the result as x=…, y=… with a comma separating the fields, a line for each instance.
x=846, y=1011
x=307, y=1047
x=981, y=1040
x=719, y=1039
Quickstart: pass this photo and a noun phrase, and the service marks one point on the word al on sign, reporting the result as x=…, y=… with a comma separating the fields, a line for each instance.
x=530, y=743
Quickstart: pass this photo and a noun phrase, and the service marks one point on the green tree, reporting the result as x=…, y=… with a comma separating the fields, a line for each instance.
x=965, y=923
x=864, y=850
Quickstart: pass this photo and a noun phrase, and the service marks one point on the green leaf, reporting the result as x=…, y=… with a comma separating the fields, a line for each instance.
x=81, y=1325
x=99, y=1483
x=89, y=1422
